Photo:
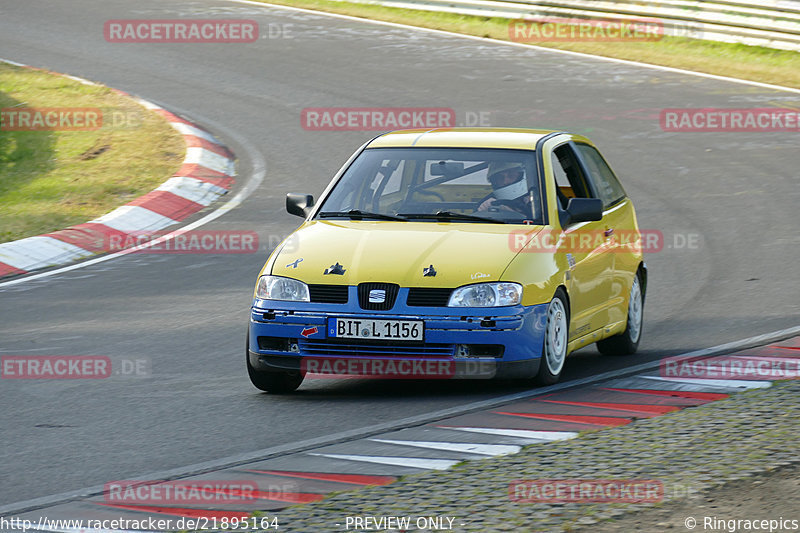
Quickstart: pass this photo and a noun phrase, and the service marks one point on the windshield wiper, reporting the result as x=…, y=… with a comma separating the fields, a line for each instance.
x=358, y=214
x=450, y=215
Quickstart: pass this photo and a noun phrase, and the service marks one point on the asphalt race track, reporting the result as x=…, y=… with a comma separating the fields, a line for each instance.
x=738, y=192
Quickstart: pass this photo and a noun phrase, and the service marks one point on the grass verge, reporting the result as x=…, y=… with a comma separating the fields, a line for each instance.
x=55, y=178
x=754, y=63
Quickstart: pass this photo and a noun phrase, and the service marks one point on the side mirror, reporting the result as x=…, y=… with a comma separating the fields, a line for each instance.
x=583, y=210
x=299, y=204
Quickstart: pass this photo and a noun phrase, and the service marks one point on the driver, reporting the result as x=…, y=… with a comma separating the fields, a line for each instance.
x=510, y=189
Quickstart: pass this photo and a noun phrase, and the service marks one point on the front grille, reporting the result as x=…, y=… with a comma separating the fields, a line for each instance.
x=351, y=347
x=387, y=290
x=329, y=294
x=428, y=297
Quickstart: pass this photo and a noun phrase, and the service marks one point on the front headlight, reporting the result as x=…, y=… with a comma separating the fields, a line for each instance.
x=486, y=295
x=278, y=288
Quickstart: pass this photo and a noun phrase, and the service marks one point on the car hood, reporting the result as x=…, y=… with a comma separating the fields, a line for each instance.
x=397, y=252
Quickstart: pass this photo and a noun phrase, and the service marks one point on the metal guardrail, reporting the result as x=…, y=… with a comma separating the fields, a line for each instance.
x=770, y=23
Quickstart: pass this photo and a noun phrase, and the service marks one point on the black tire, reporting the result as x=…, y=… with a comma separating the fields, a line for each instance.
x=556, y=339
x=272, y=382
x=627, y=342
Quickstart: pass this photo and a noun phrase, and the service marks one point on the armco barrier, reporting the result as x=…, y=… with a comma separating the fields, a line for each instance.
x=770, y=23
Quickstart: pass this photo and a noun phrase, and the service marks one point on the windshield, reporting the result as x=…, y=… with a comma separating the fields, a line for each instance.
x=464, y=185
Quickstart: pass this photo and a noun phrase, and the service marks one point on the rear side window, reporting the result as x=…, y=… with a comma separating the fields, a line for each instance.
x=606, y=183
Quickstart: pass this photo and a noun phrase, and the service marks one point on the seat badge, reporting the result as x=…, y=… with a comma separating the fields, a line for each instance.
x=377, y=296
x=429, y=272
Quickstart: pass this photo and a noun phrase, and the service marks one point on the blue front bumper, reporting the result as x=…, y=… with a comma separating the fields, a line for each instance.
x=509, y=339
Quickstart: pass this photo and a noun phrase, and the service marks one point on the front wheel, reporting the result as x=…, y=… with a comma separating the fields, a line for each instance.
x=627, y=342
x=554, y=351
x=273, y=382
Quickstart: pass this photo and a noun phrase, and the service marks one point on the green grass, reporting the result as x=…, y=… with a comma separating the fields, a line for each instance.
x=766, y=65
x=53, y=179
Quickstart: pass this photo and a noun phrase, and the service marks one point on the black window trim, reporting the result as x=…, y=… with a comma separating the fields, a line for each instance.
x=539, y=148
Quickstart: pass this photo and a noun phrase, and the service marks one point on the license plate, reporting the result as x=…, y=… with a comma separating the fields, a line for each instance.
x=357, y=328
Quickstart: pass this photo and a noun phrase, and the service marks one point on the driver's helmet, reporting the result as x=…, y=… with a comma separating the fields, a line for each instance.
x=508, y=180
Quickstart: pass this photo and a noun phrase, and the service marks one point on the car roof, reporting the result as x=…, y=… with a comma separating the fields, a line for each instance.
x=509, y=138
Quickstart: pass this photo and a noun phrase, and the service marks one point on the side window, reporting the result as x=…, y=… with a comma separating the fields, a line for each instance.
x=558, y=172
x=570, y=181
x=606, y=183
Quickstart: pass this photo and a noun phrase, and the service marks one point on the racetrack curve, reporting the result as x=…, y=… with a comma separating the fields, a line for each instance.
x=188, y=313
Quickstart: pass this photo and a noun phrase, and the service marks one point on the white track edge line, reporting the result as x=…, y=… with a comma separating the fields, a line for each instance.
x=476, y=448
x=423, y=463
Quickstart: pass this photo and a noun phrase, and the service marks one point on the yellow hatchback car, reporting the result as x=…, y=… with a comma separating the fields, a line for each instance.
x=452, y=253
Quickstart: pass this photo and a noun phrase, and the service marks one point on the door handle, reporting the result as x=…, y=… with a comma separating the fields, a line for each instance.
x=609, y=232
